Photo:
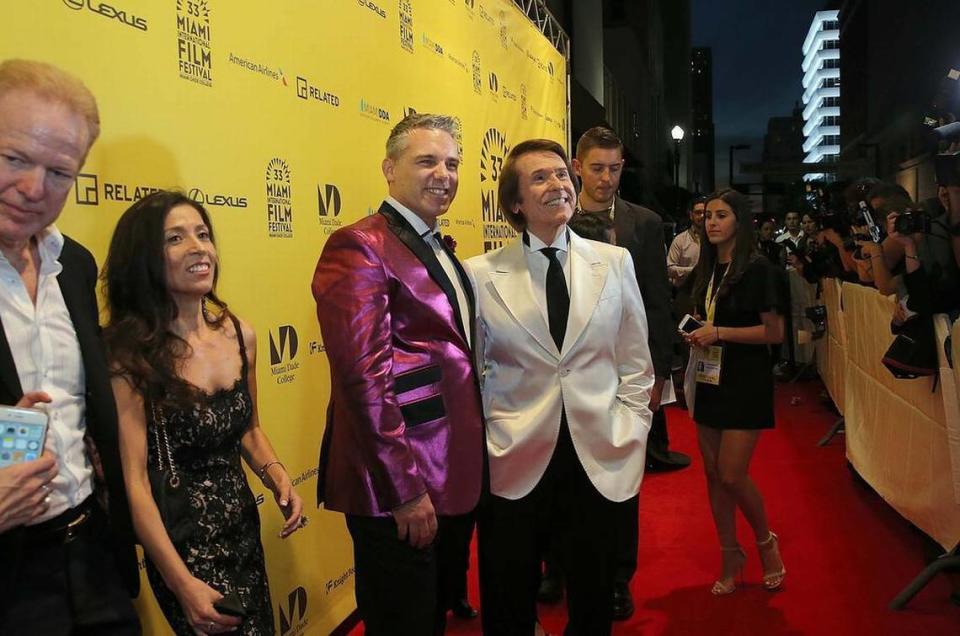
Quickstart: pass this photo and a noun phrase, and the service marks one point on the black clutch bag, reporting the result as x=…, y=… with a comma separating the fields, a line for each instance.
x=169, y=492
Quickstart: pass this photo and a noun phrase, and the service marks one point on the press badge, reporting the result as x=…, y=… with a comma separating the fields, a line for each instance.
x=708, y=365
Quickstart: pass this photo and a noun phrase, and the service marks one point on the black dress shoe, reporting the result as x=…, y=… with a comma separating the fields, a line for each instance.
x=660, y=461
x=551, y=590
x=463, y=609
x=622, y=602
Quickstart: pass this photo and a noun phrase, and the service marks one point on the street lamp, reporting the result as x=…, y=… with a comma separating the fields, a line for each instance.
x=677, y=133
x=732, y=148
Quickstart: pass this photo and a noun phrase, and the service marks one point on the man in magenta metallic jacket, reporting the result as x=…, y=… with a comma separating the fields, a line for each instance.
x=402, y=453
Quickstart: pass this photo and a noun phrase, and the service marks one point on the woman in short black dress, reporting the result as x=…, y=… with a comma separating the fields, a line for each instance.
x=185, y=385
x=741, y=299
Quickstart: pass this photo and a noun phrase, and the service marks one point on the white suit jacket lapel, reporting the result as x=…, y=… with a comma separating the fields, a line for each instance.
x=588, y=274
x=511, y=278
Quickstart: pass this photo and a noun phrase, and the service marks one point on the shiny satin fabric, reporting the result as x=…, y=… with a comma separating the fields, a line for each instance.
x=602, y=377
x=405, y=416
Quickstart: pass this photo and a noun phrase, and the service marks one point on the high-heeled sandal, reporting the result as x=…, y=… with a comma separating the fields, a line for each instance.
x=719, y=587
x=772, y=581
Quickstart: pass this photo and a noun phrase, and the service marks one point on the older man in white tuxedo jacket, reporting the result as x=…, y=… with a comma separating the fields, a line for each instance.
x=566, y=376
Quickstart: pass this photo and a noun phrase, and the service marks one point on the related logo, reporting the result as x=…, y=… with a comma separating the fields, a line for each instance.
x=279, y=199
x=308, y=91
x=220, y=200
x=87, y=189
x=293, y=615
x=477, y=77
x=90, y=189
x=405, y=10
x=493, y=152
x=431, y=44
x=374, y=112
x=370, y=4
x=109, y=11
x=193, y=42
x=523, y=101
x=504, y=32
x=458, y=137
x=283, y=354
x=493, y=83
x=256, y=67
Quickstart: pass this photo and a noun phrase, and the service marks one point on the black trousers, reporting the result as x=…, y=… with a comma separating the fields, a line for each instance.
x=564, y=510
x=401, y=589
x=69, y=588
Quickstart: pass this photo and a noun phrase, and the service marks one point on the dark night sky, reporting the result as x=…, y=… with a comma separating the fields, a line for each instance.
x=756, y=66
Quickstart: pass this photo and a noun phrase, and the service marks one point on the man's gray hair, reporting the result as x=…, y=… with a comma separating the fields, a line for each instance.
x=397, y=141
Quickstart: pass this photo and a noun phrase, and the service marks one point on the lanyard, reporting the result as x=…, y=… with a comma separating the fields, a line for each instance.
x=710, y=301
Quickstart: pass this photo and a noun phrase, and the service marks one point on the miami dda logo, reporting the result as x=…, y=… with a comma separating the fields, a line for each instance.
x=283, y=354
x=308, y=91
x=219, y=200
x=405, y=10
x=293, y=621
x=374, y=112
x=279, y=199
x=109, y=11
x=430, y=44
x=89, y=190
x=193, y=41
x=493, y=152
x=328, y=206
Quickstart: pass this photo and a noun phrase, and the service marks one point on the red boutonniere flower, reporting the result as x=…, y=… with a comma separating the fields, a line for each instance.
x=450, y=242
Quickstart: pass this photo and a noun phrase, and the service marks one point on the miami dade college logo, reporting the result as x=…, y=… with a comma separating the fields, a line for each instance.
x=193, y=41
x=293, y=613
x=493, y=152
x=283, y=354
x=279, y=199
x=328, y=206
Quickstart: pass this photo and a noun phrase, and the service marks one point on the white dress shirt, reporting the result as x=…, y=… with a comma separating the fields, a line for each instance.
x=427, y=234
x=537, y=263
x=47, y=355
x=682, y=256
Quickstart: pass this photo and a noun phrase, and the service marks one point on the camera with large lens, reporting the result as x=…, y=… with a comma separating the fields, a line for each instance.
x=912, y=222
x=817, y=315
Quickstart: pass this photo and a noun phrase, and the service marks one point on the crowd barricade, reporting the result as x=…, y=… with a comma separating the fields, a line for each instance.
x=902, y=436
x=832, y=347
x=802, y=296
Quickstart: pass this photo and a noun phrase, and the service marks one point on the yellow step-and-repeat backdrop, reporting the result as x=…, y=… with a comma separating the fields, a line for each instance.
x=274, y=115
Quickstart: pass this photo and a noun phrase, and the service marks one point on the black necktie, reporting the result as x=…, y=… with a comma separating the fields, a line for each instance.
x=558, y=299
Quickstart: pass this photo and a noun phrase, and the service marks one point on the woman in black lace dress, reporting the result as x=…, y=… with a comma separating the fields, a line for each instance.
x=185, y=384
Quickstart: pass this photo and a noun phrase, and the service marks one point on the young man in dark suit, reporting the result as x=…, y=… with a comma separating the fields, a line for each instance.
x=65, y=529
x=599, y=164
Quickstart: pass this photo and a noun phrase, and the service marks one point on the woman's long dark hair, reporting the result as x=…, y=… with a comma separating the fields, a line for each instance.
x=744, y=248
x=140, y=344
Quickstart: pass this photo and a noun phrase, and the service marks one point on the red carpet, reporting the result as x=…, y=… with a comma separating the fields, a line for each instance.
x=847, y=553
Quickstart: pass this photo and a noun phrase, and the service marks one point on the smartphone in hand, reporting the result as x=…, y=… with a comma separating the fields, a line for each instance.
x=22, y=434
x=689, y=324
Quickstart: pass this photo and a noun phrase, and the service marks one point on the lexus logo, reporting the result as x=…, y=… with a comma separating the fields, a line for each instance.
x=76, y=5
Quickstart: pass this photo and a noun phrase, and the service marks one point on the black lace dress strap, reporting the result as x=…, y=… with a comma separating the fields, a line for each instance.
x=243, y=346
